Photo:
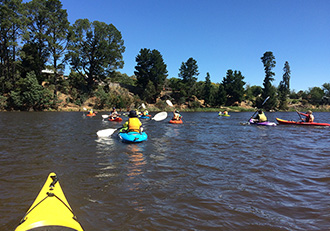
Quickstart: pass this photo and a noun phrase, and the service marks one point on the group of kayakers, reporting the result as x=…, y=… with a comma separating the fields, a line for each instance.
x=134, y=124
x=261, y=117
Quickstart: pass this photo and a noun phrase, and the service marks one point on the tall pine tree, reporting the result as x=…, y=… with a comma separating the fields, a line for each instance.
x=284, y=87
x=268, y=59
x=188, y=73
x=151, y=74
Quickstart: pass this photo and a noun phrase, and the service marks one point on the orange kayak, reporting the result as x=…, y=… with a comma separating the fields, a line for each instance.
x=176, y=121
x=118, y=119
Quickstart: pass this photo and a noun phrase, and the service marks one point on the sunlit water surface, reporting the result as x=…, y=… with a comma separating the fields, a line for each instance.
x=209, y=173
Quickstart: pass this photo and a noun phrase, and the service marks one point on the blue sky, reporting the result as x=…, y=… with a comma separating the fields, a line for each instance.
x=222, y=35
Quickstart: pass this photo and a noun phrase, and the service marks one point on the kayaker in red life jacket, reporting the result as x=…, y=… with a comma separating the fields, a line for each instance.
x=176, y=115
x=309, y=116
x=260, y=117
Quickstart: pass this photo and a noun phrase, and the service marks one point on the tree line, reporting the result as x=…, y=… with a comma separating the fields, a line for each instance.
x=36, y=36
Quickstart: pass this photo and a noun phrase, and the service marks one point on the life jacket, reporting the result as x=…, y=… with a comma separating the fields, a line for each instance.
x=309, y=118
x=262, y=117
x=134, y=124
x=176, y=116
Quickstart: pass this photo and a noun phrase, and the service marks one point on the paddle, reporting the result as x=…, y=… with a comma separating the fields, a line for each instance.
x=106, y=132
x=160, y=116
x=261, y=105
x=169, y=103
x=105, y=116
x=109, y=131
x=85, y=109
x=299, y=115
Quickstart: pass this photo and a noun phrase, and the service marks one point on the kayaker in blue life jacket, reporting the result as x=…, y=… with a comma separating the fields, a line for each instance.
x=146, y=113
x=260, y=117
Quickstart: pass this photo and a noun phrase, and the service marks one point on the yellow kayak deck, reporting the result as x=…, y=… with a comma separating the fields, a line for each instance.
x=50, y=209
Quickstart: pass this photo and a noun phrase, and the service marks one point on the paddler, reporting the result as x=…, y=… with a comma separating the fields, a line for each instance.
x=260, y=117
x=91, y=112
x=146, y=113
x=309, y=116
x=176, y=115
x=114, y=114
x=133, y=124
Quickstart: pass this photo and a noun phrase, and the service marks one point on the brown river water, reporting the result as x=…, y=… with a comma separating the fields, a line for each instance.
x=209, y=173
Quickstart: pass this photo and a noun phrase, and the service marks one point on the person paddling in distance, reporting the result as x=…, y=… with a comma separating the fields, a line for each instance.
x=91, y=112
x=113, y=114
x=309, y=116
x=176, y=115
x=133, y=124
x=146, y=113
x=260, y=117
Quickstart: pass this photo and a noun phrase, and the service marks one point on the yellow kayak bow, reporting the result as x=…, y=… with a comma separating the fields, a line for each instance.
x=50, y=210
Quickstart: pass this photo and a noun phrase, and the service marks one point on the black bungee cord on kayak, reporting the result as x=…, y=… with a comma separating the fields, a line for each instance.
x=49, y=194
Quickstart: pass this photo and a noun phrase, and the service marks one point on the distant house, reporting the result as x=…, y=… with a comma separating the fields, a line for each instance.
x=47, y=71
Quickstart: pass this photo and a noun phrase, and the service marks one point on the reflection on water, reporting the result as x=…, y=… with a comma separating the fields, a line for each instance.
x=137, y=161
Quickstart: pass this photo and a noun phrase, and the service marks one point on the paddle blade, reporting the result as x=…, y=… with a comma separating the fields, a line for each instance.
x=105, y=116
x=106, y=132
x=143, y=105
x=160, y=116
x=169, y=103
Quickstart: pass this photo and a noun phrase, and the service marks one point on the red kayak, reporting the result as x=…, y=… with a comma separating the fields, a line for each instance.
x=175, y=121
x=280, y=121
x=118, y=119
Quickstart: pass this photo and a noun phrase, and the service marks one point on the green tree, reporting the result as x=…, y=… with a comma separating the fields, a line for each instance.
x=315, y=95
x=36, y=51
x=29, y=94
x=189, y=72
x=95, y=50
x=221, y=95
x=151, y=74
x=284, y=87
x=207, y=88
x=268, y=59
x=252, y=92
x=326, y=89
x=11, y=26
x=57, y=34
x=234, y=86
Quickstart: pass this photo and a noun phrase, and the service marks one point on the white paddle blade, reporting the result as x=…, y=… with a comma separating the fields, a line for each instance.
x=169, y=103
x=106, y=132
x=143, y=105
x=105, y=116
x=160, y=116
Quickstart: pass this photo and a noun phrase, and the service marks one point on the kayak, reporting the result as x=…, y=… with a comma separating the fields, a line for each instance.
x=266, y=123
x=145, y=116
x=226, y=115
x=176, y=121
x=281, y=121
x=93, y=114
x=117, y=119
x=133, y=137
x=50, y=210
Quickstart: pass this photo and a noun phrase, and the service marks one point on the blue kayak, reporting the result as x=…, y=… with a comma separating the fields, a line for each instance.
x=133, y=137
x=145, y=117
